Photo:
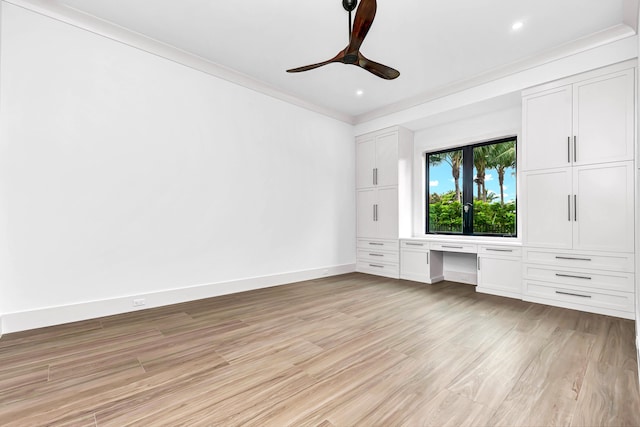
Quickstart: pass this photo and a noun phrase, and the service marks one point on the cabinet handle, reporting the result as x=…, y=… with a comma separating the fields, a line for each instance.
x=573, y=295
x=427, y=257
x=568, y=207
x=376, y=244
x=573, y=277
x=572, y=258
x=376, y=255
x=375, y=176
x=376, y=265
x=575, y=148
x=376, y=208
x=575, y=207
x=478, y=264
x=413, y=244
x=568, y=149
x=499, y=250
x=452, y=247
x=374, y=212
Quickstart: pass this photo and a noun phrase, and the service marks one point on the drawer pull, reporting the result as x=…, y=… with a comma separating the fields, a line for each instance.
x=573, y=295
x=413, y=244
x=573, y=277
x=500, y=250
x=376, y=255
x=573, y=258
x=376, y=244
x=452, y=247
x=376, y=266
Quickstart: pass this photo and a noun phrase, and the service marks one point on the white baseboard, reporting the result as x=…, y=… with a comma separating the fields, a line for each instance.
x=38, y=318
x=461, y=277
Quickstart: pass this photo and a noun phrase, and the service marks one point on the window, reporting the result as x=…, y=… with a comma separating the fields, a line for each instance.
x=471, y=190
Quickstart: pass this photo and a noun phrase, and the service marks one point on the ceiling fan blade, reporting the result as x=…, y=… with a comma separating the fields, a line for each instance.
x=338, y=58
x=361, y=23
x=376, y=68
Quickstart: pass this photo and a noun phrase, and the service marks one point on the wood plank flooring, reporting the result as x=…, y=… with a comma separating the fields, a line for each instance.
x=342, y=351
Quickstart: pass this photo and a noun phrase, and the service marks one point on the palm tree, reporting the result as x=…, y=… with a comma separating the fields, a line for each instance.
x=480, y=157
x=501, y=157
x=453, y=159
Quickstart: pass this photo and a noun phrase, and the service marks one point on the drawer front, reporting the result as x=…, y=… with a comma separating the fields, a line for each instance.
x=378, y=256
x=381, y=245
x=616, y=281
x=515, y=251
x=378, y=268
x=610, y=300
x=616, y=262
x=454, y=247
x=414, y=245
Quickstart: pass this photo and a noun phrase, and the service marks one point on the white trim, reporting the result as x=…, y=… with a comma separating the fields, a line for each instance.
x=461, y=277
x=38, y=318
x=499, y=292
x=67, y=15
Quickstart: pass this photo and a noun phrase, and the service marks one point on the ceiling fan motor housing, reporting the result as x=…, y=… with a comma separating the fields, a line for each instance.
x=349, y=5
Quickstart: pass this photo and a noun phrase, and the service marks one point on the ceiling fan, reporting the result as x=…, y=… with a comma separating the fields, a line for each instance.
x=351, y=54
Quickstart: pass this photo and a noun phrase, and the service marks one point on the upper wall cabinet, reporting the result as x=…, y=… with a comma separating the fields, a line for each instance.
x=377, y=161
x=585, y=122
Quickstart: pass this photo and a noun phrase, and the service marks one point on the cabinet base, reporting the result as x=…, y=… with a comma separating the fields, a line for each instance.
x=579, y=307
x=498, y=292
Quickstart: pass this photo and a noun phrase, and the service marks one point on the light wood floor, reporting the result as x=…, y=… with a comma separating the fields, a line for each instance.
x=343, y=351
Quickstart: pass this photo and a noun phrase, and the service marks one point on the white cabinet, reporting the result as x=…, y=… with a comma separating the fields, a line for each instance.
x=500, y=270
x=586, y=122
x=579, y=192
x=378, y=213
x=377, y=160
x=547, y=129
x=418, y=263
x=383, y=196
x=582, y=280
x=585, y=207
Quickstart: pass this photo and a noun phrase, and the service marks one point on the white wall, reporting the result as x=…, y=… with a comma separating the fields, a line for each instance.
x=125, y=174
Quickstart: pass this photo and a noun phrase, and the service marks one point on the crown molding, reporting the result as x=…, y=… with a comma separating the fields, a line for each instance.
x=55, y=10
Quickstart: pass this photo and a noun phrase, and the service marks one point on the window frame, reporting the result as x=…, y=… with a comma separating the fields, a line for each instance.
x=467, y=188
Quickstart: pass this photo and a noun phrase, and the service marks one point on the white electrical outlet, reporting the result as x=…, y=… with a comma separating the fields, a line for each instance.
x=138, y=302
x=325, y=272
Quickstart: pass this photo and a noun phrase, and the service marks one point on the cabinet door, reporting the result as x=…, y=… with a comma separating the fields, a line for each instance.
x=604, y=206
x=387, y=159
x=547, y=129
x=387, y=213
x=604, y=119
x=365, y=163
x=500, y=274
x=414, y=265
x=366, y=226
x=547, y=210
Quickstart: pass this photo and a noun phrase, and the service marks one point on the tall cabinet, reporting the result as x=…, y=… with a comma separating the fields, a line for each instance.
x=579, y=191
x=383, y=198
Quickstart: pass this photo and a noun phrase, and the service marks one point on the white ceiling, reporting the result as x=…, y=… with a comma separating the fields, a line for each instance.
x=433, y=43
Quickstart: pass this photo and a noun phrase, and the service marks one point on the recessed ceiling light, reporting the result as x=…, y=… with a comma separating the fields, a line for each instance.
x=359, y=92
x=517, y=25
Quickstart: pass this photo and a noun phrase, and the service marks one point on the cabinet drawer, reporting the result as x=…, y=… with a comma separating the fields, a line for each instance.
x=616, y=262
x=570, y=296
x=382, y=245
x=414, y=245
x=497, y=250
x=602, y=280
x=378, y=268
x=378, y=256
x=453, y=247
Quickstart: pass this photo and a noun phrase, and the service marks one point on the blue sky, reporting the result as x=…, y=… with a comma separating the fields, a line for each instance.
x=441, y=181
